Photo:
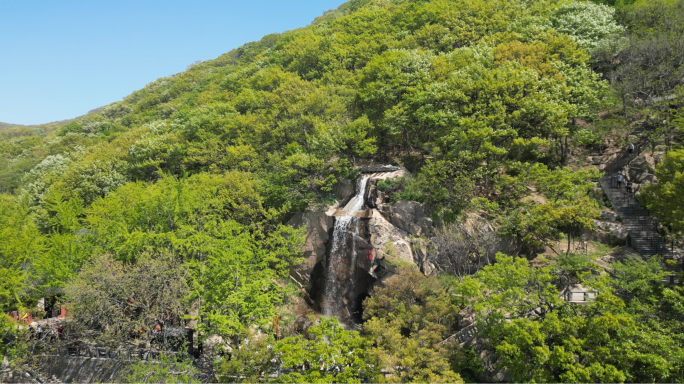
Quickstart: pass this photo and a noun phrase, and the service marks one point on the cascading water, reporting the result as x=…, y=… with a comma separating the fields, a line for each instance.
x=357, y=202
x=339, y=271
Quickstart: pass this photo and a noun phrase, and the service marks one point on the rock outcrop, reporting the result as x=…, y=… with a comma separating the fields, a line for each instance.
x=608, y=232
x=391, y=243
x=609, y=215
x=318, y=227
x=641, y=169
x=371, y=241
x=344, y=190
x=412, y=217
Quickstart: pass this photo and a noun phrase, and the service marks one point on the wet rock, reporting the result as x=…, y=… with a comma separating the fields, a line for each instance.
x=318, y=226
x=344, y=190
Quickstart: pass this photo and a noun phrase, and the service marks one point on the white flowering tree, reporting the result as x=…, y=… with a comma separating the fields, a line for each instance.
x=589, y=24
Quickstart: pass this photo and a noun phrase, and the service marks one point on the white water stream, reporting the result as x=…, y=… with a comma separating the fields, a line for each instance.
x=333, y=304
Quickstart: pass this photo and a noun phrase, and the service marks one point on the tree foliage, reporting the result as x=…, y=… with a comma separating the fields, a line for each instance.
x=665, y=198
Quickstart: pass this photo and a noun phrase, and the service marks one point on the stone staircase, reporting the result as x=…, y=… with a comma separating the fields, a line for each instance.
x=641, y=226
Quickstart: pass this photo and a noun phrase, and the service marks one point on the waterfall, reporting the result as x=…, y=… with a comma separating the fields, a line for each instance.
x=357, y=202
x=340, y=269
x=336, y=266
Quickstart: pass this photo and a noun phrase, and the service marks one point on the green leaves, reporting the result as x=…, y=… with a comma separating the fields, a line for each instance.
x=328, y=345
x=21, y=244
x=237, y=280
x=538, y=337
x=408, y=321
x=665, y=198
x=630, y=332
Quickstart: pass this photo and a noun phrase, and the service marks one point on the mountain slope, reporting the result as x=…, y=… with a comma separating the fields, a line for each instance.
x=392, y=81
x=171, y=204
x=6, y=125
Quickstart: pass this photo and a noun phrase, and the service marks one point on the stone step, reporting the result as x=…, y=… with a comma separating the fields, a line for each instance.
x=642, y=228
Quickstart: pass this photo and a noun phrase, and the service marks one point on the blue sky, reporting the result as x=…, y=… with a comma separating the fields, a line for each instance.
x=60, y=59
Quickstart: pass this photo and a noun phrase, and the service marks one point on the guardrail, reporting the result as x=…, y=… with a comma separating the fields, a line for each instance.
x=113, y=353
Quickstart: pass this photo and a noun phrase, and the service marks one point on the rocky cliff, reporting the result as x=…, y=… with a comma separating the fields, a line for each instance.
x=348, y=251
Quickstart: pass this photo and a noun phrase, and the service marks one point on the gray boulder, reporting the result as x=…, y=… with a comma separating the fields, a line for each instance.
x=412, y=217
x=641, y=169
x=609, y=215
x=343, y=190
x=391, y=243
x=318, y=226
x=616, y=229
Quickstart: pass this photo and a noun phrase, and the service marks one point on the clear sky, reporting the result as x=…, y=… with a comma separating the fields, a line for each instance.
x=60, y=59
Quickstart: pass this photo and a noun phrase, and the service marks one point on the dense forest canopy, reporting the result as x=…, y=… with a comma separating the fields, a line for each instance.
x=484, y=102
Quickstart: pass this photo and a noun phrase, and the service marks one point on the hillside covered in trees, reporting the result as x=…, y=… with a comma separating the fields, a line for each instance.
x=174, y=203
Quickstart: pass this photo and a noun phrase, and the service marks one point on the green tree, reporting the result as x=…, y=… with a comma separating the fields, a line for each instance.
x=628, y=333
x=167, y=369
x=665, y=197
x=407, y=321
x=113, y=301
x=326, y=353
x=21, y=245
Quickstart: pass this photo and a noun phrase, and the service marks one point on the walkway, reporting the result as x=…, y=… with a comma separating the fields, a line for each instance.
x=642, y=227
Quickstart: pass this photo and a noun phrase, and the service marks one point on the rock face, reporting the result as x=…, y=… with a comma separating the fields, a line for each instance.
x=391, y=243
x=641, y=169
x=348, y=251
x=412, y=217
x=344, y=190
x=608, y=232
x=617, y=229
x=609, y=215
x=318, y=227
x=379, y=168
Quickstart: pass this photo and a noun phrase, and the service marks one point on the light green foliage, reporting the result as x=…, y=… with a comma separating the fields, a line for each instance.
x=629, y=333
x=251, y=362
x=510, y=287
x=443, y=184
x=167, y=369
x=480, y=100
x=67, y=245
x=570, y=208
x=8, y=332
x=21, y=244
x=234, y=279
x=665, y=198
x=562, y=204
x=218, y=225
x=327, y=353
x=458, y=81
x=407, y=321
x=327, y=346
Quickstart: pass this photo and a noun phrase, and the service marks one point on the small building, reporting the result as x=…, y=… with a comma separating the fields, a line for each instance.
x=576, y=293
